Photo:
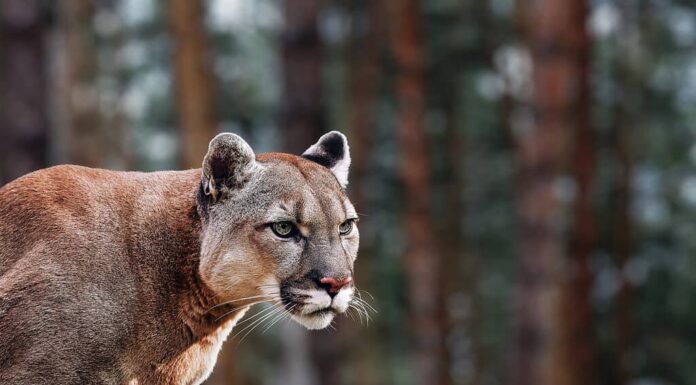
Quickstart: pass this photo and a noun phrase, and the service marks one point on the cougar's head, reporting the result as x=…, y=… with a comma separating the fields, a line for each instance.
x=279, y=228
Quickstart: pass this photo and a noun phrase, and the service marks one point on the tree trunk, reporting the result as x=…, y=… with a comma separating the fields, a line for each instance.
x=86, y=142
x=627, y=116
x=554, y=341
x=623, y=245
x=115, y=131
x=422, y=263
x=193, y=79
x=364, y=79
x=462, y=273
x=23, y=88
x=302, y=112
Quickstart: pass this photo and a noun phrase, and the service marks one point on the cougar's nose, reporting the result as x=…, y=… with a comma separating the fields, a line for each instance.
x=333, y=285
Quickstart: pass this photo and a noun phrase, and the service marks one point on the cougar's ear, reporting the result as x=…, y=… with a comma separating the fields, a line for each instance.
x=228, y=165
x=332, y=152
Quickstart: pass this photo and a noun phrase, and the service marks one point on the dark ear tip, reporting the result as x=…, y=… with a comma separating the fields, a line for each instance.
x=332, y=151
x=334, y=143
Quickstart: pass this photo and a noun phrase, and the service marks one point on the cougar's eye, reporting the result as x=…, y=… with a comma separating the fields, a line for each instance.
x=284, y=229
x=346, y=227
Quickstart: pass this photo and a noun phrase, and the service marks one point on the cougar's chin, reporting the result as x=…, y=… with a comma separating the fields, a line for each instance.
x=316, y=320
x=315, y=309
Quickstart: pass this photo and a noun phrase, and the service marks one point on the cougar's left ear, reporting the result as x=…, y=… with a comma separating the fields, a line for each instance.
x=228, y=165
x=332, y=151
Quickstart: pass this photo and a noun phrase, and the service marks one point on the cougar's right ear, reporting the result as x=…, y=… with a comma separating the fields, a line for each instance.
x=228, y=165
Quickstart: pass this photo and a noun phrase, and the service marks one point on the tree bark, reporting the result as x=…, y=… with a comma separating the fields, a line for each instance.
x=554, y=343
x=23, y=88
x=627, y=115
x=193, y=79
x=302, y=113
x=86, y=142
x=623, y=246
x=364, y=78
x=422, y=262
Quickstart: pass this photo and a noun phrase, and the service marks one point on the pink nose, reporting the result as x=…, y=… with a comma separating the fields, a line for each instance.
x=333, y=285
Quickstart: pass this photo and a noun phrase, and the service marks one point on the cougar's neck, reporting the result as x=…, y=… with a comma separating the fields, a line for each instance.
x=199, y=307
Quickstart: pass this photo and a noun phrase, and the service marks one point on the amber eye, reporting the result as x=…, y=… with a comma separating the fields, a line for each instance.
x=284, y=229
x=346, y=227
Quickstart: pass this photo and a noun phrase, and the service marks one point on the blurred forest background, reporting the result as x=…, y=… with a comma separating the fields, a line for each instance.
x=526, y=170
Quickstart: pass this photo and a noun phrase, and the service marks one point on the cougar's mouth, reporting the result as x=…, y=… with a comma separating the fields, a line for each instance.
x=321, y=312
x=314, y=309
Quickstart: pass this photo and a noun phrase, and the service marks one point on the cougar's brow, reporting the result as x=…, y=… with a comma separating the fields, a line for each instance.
x=306, y=171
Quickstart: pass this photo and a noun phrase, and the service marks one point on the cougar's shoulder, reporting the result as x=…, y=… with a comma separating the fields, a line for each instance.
x=74, y=202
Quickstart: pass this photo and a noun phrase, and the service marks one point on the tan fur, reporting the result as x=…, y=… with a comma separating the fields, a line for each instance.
x=123, y=277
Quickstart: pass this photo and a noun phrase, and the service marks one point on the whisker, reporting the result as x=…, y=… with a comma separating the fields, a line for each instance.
x=366, y=292
x=238, y=308
x=241, y=299
x=349, y=314
x=364, y=301
x=274, y=285
x=271, y=321
x=259, y=323
x=366, y=304
x=353, y=307
x=283, y=315
x=253, y=325
x=264, y=310
x=359, y=305
x=249, y=328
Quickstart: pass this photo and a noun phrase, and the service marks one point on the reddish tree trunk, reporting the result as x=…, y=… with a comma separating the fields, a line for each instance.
x=364, y=78
x=23, y=88
x=86, y=142
x=422, y=261
x=302, y=114
x=193, y=80
x=556, y=161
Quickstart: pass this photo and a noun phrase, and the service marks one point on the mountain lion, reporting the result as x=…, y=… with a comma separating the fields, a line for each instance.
x=137, y=278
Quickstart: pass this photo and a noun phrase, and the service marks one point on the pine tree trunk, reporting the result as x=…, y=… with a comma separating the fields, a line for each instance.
x=627, y=115
x=422, y=262
x=364, y=79
x=622, y=249
x=23, y=88
x=462, y=273
x=86, y=142
x=193, y=79
x=302, y=113
x=554, y=344
x=114, y=122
